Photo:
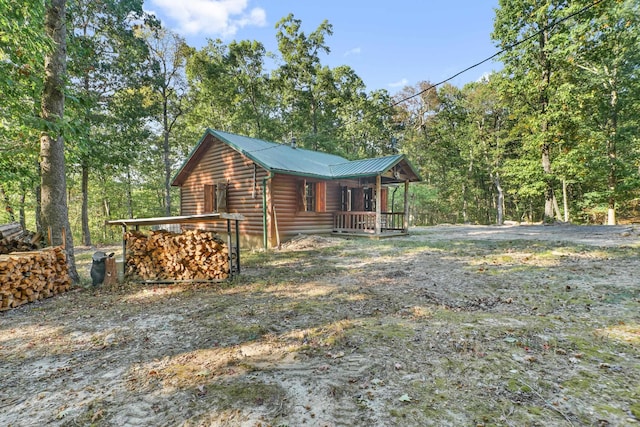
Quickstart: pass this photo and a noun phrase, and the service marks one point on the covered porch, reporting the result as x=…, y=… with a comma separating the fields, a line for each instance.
x=378, y=218
x=366, y=222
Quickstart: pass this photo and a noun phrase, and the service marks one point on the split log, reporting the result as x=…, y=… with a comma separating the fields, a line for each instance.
x=30, y=276
x=13, y=238
x=10, y=230
x=162, y=255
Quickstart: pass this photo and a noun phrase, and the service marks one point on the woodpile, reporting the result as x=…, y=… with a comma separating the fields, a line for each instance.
x=162, y=255
x=13, y=238
x=30, y=276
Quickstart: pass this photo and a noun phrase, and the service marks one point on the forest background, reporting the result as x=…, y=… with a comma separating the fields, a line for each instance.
x=552, y=136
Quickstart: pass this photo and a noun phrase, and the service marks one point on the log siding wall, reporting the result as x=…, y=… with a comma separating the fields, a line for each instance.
x=291, y=220
x=220, y=163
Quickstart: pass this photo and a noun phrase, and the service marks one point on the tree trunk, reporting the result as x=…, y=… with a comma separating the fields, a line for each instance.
x=545, y=62
x=55, y=213
x=38, y=196
x=556, y=208
x=86, y=233
x=7, y=204
x=500, y=205
x=166, y=158
x=565, y=201
x=129, y=195
x=23, y=198
x=465, y=217
x=612, y=177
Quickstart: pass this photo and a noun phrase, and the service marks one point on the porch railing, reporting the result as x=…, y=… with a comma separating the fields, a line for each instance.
x=365, y=222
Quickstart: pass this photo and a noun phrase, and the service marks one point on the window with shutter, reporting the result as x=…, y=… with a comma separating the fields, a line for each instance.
x=310, y=196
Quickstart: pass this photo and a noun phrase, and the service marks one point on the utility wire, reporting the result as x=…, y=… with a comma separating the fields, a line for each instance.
x=506, y=49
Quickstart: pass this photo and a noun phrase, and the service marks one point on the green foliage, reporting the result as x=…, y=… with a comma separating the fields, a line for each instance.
x=563, y=114
x=138, y=97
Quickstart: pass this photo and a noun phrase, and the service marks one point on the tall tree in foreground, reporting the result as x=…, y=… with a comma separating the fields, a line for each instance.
x=55, y=212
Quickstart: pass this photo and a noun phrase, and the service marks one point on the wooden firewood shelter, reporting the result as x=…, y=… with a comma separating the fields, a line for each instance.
x=232, y=232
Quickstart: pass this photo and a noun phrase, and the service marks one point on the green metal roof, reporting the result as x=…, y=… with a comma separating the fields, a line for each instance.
x=366, y=167
x=283, y=158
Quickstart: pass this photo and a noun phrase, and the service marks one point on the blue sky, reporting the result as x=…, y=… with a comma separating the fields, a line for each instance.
x=389, y=44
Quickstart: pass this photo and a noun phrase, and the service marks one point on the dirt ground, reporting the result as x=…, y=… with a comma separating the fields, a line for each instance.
x=450, y=326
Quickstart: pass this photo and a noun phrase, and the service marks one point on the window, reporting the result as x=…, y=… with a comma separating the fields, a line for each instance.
x=215, y=197
x=312, y=196
x=345, y=196
x=369, y=200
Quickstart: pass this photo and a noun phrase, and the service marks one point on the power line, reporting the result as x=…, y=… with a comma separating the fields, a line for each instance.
x=506, y=49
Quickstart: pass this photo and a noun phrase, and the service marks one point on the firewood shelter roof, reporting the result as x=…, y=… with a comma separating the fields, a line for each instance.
x=185, y=219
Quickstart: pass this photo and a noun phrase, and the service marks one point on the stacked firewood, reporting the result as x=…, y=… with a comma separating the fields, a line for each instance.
x=162, y=255
x=30, y=276
x=13, y=238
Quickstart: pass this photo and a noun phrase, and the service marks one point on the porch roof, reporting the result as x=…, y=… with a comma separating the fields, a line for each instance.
x=285, y=159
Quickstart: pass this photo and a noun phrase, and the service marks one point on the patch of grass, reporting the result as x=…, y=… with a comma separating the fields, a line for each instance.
x=94, y=415
x=516, y=386
x=608, y=410
x=634, y=408
x=242, y=394
x=373, y=331
x=240, y=331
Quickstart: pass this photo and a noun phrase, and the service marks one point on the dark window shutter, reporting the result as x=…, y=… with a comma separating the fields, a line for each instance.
x=209, y=191
x=321, y=196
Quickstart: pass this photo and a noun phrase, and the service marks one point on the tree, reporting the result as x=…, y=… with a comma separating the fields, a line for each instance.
x=363, y=121
x=169, y=54
x=55, y=213
x=106, y=57
x=304, y=82
x=605, y=54
x=486, y=117
x=230, y=90
x=22, y=44
x=531, y=68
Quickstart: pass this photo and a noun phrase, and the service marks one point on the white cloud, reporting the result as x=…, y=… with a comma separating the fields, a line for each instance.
x=354, y=51
x=400, y=83
x=210, y=17
x=484, y=77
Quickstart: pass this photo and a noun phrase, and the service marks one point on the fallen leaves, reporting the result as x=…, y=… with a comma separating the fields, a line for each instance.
x=405, y=398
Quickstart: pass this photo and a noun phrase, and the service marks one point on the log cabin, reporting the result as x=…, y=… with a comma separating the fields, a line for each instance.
x=283, y=190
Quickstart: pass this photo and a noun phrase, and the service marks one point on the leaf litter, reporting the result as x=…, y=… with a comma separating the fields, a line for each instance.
x=453, y=325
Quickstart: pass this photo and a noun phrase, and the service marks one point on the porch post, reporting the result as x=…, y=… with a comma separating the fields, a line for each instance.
x=405, y=226
x=378, y=201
